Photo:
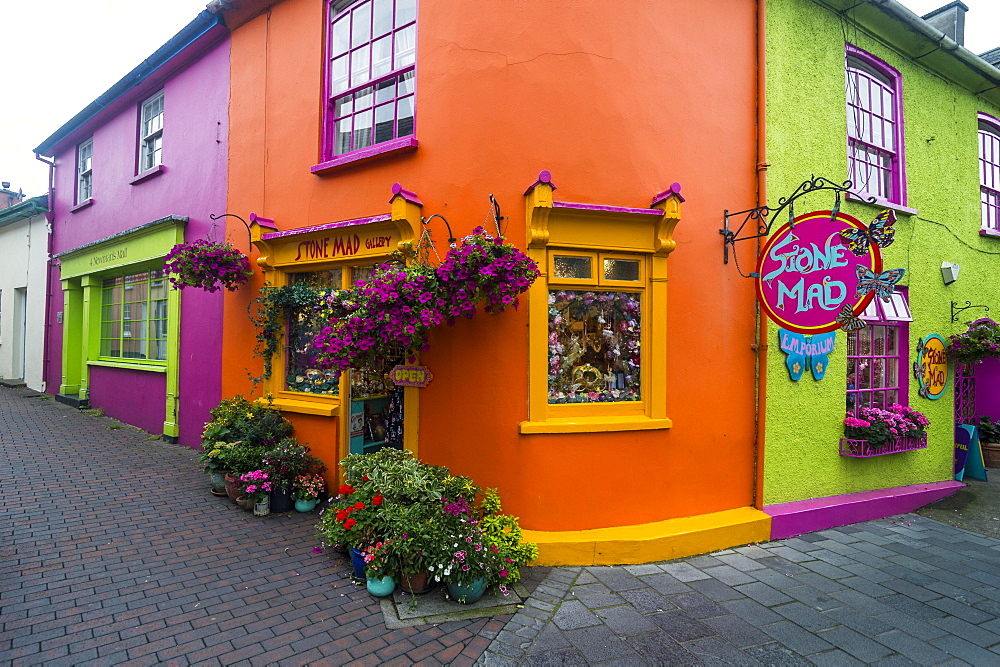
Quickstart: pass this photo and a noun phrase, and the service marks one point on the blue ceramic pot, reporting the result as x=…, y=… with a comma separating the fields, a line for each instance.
x=306, y=505
x=467, y=594
x=358, y=562
x=381, y=587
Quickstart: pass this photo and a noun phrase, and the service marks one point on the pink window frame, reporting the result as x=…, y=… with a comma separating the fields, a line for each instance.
x=897, y=166
x=329, y=134
x=989, y=172
x=900, y=359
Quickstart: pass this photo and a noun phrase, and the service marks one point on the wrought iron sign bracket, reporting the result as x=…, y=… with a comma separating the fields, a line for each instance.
x=955, y=310
x=763, y=216
x=215, y=217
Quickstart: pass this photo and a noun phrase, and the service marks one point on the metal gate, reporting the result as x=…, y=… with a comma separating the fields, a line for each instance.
x=965, y=394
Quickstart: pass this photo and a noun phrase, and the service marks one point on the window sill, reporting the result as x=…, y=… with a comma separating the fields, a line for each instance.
x=148, y=174
x=594, y=424
x=303, y=407
x=401, y=145
x=992, y=233
x=130, y=366
x=82, y=205
x=882, y=203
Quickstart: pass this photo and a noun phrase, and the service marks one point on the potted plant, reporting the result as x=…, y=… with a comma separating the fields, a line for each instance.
x=256, y=487
x=207, y=265
x=900, y=428
x=980, y=341
x=379, y=569
x=213, y=456
x=989, y=440
x=306, y=490
x=286, y=461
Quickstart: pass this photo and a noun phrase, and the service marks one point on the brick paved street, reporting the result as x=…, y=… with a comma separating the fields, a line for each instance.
x=113, y=551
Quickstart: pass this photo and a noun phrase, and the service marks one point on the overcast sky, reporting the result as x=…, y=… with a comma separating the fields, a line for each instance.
x=57, y=56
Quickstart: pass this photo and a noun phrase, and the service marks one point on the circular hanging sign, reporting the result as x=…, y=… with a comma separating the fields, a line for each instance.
x=931, y=367
x=807, y=276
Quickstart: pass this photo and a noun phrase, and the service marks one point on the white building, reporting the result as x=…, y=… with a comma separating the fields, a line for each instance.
x=24, y=245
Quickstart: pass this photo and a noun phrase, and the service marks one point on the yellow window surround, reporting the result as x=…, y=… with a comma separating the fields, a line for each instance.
x=600, y=233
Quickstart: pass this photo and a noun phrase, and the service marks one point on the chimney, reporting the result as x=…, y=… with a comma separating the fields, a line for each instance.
x=950, y=20
x=8, y=197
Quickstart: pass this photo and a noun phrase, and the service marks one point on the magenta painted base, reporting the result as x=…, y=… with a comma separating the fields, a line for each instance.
x=806, y=516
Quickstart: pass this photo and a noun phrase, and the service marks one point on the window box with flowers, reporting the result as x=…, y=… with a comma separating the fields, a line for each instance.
x=875, y=432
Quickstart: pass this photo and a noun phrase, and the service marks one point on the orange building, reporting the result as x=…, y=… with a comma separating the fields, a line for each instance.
x=351, y=123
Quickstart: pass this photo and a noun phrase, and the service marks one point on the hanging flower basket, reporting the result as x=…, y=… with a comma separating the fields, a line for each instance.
x=207, y=265
x=980, y=341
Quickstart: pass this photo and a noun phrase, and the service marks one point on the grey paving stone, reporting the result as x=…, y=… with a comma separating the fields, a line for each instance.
x=665, y=584
x=647, y=568
x=737, y=631
x=819, y=582
x=896, y=660
x=682, y=571
x=776, y=579
x=775, y=654
x=565, y=656
x=989, y=578
x=963, y=595
x=876, y=549
x=834, y=658
x=862, y=603
x=722, y=552
x=814, y=598
x=600, y=644
x=911, y=607
x=763, y=594
x=967, y=631
x=807, y=617
x=701, y=562
x=716, y=590
x=782, y=565
x=806, y=537
x=625, y=620
x=549, y=639
x=740, y=562
x=595, y=596
x=586, y=577
x=867, y=625
x=856, y=644
x=991, y=607
x=911, y=590
x=491, y=659
x=838, y=535
x=648, y=601
x=825, y=569
x=752, y=612
x=912, y=563
x=697, y=605
x=659, y=649
x=680, y=626
x=915, y=649
x=716, y=650
x=962, y=611
x=965, y=650
x=753, y=551
x=796, y=638
x=572, y=614
x=834, y=558
x=790, y=554
x=729, y=575
x=867, y=587
x=989, y=592
x=868, y=572
x=617, y=578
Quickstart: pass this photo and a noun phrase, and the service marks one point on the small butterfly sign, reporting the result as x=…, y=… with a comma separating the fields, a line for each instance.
x=806, y=351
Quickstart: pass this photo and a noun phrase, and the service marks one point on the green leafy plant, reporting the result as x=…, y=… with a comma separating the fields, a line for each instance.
x=288, y=460
x=980, y=341
x=270, y=311
x=989, y=429
x=238, y=419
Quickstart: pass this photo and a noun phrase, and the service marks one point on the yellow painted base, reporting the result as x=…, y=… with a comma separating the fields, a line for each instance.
x=648, y=542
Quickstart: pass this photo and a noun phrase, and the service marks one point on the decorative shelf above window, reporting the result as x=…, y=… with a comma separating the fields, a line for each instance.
x=862, y=449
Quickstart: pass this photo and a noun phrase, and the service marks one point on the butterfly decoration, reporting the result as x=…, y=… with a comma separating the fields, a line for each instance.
x=883, y=284
x=802, y=350
x=919, y=369
x=847, y=320
x=880, y=232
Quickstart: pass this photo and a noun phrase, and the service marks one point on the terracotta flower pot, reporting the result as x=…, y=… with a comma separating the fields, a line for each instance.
x=415, y=584
x=245, y=503
x=231, y=490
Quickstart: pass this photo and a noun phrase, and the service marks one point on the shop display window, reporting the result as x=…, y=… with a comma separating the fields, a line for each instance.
x=134, y=316
x=877, y=356
x=302, y=374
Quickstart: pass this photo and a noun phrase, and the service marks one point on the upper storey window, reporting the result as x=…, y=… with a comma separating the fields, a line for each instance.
x=84, y=171
x=875, y=128
x=371, y=52
x=151, y=133
x=989, y=172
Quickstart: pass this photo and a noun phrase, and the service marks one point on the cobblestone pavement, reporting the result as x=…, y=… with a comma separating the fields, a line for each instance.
x=113, y=551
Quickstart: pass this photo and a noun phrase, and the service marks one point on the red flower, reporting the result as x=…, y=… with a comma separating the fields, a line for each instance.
x=359, y=506
x=377, y=500
x=365, y=478
x=349, y=523
x=341, y=515
x=346, y=490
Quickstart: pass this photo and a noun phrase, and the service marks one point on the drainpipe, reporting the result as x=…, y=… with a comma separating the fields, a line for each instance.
x=760, y=344
x=50, y=219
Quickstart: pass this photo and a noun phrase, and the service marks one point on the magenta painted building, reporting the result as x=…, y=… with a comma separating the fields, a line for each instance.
x=140, y=169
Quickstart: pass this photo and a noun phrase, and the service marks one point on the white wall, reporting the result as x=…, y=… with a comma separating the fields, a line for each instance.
x=23, y=261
